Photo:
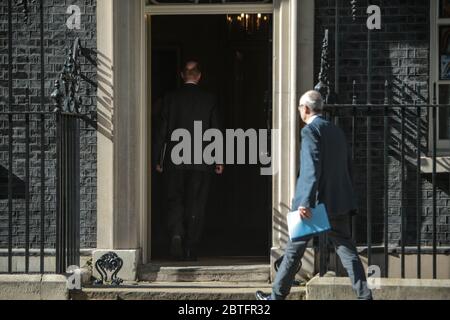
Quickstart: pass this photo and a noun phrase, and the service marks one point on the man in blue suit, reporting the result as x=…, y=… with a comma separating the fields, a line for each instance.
x=325, y=177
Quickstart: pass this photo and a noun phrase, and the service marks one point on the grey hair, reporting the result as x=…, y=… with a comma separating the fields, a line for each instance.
x=313, y=100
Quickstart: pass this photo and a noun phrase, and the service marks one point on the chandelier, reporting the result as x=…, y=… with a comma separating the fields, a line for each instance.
x=250, y=23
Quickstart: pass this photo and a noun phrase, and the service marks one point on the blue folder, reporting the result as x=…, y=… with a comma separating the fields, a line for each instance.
x=300, y=228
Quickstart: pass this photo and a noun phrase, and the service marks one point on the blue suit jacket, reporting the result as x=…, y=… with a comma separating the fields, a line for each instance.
x=325, y=169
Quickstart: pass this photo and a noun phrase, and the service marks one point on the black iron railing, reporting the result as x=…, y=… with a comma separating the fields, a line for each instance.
x=40, y=185
x=67, y=192
x=403, y=133
x=15, y=188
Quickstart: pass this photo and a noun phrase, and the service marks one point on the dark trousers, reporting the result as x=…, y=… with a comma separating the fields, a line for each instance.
x=339, y=235
x=187, y=196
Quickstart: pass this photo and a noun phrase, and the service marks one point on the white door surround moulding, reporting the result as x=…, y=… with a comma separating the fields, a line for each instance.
x=123, y=212
x=230, y=8
x=122, y=139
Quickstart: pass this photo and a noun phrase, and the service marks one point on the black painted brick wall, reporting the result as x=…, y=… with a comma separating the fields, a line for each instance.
x=26, y=76
x=400, y=53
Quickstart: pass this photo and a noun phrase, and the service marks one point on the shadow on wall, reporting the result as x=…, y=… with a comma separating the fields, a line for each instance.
x=18, y=185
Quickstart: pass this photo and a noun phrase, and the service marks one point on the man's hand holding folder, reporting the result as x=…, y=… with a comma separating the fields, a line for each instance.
x=307, y=221
x=305, y=213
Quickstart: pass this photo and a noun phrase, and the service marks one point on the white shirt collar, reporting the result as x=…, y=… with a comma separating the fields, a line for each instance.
x=190, y=82
x=311, y=119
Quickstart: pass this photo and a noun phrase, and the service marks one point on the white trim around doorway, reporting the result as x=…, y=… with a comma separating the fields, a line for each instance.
x=178, y=9
x=123, y=212
x=123, y=215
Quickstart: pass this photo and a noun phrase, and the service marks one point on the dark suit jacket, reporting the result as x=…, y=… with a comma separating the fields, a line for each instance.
x=179, y=111
x=325, y=169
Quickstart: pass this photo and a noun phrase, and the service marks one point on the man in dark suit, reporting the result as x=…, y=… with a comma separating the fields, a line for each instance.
x=325, y=177
x=186, y=184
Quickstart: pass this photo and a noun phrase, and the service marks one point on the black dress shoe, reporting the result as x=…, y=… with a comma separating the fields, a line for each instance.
x=263, y=296
x=176, y=248
x=190, y=255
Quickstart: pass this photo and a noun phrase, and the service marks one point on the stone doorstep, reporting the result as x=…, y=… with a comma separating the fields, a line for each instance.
x=182, y=291
x=33, y=287
x=333, y=288
x=244, y=273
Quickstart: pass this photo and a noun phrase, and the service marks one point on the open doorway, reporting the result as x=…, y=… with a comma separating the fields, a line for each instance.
x=235, y=54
